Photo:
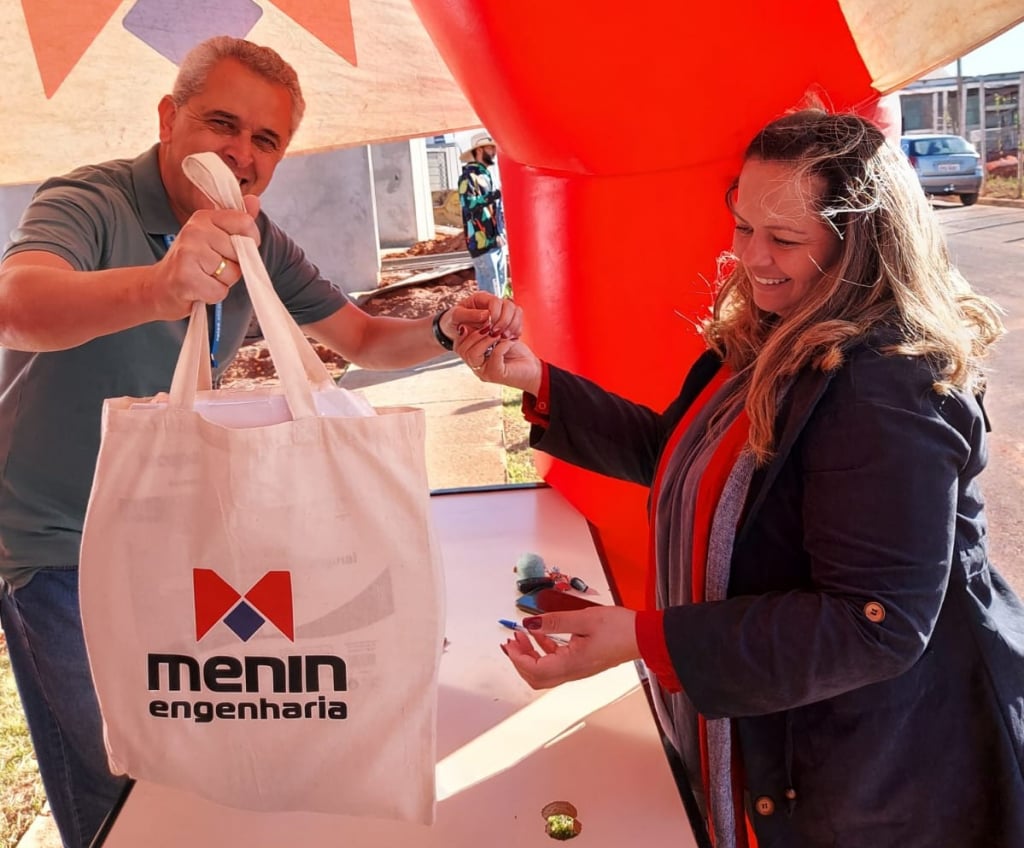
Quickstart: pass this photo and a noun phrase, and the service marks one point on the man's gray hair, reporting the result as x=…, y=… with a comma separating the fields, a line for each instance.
x=196, y=66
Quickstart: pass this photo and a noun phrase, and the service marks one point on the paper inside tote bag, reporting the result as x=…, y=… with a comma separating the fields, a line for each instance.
x=262, y=602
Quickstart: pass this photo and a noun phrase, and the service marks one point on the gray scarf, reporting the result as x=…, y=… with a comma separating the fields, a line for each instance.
x=674, y=536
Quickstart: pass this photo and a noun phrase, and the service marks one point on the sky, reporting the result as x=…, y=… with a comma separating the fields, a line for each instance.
x=1004, y=54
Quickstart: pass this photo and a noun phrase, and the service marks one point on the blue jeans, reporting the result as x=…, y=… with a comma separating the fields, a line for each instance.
x=492, y=271
x=43, y=627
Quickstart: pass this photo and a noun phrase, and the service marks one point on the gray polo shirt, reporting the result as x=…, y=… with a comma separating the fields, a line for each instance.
x=112, y=215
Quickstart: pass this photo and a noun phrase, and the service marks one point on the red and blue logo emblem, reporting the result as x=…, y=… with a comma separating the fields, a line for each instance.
x=269, y=599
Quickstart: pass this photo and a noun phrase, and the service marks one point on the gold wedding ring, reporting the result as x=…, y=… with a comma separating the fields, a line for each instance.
x=220, y=269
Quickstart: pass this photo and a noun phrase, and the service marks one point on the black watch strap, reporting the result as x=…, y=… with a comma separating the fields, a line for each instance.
x=442, y=339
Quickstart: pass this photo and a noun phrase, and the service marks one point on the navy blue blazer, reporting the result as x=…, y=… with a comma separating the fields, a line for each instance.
x=871, y=657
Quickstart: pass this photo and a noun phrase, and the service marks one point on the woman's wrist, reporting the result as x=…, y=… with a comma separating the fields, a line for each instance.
x=532, y=384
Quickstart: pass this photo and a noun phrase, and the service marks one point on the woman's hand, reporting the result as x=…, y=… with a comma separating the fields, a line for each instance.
x=495, y=358
x=502, y=318
x=602, y=637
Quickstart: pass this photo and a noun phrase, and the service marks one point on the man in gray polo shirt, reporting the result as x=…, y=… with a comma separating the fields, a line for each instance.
x=94, y=287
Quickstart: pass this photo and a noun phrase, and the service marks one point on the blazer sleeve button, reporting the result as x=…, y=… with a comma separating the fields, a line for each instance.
x=874, y=612
x=764, y=805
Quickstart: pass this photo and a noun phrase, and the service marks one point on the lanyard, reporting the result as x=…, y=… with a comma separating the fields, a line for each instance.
x=218, y=313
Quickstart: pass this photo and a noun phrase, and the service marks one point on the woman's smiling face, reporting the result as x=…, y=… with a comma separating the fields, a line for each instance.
x=780, y=239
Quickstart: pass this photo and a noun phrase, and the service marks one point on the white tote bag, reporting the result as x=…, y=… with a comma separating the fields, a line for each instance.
x=261, y=587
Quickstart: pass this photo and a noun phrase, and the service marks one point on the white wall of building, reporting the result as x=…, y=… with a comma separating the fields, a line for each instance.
x=325, y=202
x=402, y=193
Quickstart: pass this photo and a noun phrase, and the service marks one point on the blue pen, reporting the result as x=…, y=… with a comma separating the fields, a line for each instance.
x=515, y=625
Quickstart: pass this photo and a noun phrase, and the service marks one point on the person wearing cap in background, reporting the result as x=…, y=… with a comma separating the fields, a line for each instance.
x=482, y=216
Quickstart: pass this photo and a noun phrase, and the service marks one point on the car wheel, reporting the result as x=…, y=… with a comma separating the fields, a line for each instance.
x=968, y=199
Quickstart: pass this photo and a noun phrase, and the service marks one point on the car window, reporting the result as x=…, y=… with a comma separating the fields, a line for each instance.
x=944, y=146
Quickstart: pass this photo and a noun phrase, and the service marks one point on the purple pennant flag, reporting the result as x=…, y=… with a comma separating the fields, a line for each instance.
x=173, y=27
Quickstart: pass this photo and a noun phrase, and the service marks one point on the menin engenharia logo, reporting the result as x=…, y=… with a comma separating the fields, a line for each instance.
x=216, y=601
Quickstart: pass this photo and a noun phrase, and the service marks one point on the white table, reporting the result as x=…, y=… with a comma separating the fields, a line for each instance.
x=504, y=751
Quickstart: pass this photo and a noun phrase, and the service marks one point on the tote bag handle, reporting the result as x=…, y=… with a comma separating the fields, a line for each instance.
x=298, y=366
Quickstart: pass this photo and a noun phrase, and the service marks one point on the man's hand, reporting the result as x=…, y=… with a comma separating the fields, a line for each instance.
x=202, y=263
x=502, y=318
x=46, y=304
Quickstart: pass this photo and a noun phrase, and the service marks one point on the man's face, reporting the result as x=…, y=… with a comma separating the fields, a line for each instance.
x=487, y=154
x=242, y=117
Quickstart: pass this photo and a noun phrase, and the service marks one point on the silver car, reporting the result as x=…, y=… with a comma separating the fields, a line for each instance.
x=945, y=164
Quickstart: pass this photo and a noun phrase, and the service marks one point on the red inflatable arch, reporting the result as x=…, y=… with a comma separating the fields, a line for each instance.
x=619, y=130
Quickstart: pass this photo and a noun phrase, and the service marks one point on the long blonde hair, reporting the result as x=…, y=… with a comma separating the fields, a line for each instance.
x=893, y=270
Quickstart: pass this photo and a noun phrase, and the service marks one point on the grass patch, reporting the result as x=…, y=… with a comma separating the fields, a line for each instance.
x=1007, y=187
x=20, y=787
x=516, y=430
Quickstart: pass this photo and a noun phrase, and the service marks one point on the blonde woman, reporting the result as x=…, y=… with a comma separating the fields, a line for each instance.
x=837, y=662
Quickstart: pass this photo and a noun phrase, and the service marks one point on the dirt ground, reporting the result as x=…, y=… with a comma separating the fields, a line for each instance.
x=253, y=364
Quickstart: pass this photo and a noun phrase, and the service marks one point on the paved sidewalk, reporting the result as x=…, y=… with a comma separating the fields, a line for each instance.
x=465, y=443
x=465, y=448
